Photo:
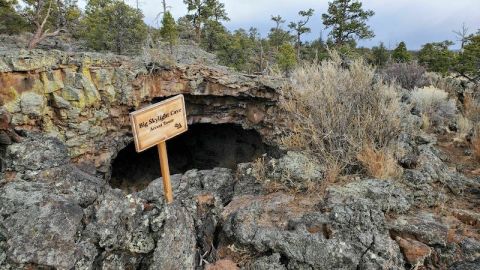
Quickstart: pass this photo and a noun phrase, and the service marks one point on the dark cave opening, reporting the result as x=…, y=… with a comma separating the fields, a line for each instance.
x=203, y=147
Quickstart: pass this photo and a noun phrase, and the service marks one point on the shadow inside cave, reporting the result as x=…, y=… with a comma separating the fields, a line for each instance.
x=203, y=147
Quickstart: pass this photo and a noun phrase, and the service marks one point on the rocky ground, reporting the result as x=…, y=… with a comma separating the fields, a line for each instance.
x=64, y=117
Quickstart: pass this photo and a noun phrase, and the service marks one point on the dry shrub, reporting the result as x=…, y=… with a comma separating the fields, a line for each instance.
x=332, y=175
x=434, y=104
x=408, y=75
x=471, y=108
x=452, y=86
x=378, y=163
x=332, y=111
x=259, y=169
x=464, y=126
x=425, y=121
x=476, y=143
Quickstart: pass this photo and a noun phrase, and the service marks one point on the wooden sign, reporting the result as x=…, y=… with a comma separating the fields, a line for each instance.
x=159, y=122
x=154, y=125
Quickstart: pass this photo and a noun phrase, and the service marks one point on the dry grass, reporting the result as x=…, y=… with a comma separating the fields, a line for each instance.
x=426, y=123
x=471, y=108
x=378, y=163
x=476, y=143
x=332, y=111
x=464, y=126
x=259, y=169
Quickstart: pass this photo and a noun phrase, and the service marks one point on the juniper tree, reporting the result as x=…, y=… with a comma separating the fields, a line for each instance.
x=468, y=64
x=380, y=55
x=168, y=31
x=113, y=25
x=38, y=13
x=437, y=57
x=286, y=58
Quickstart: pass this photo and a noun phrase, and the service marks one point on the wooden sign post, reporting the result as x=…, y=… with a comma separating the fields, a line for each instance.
x=154, y=125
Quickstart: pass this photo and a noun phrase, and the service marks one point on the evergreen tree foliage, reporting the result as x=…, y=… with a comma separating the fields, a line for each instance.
x=437, y=57
x=168, y=31
x=185, y=28
x=401, y=54
x=113, y=25
x=348, y=21
x=203, y=11
x=215, y=36
x=237, y=51
x=277, y=35
x=11, y=21
x=286, y=58
x=300, y=28
x=380, y=55
x=468, y=64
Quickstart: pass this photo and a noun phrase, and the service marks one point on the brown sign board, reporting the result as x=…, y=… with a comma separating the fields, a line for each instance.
x=159, y=122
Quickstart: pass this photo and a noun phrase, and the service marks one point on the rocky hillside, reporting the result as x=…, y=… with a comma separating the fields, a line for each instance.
x=64, y=119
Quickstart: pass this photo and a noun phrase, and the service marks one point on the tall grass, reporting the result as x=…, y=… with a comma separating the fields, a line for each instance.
x=334, y=112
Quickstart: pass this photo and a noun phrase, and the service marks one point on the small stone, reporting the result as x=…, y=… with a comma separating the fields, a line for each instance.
x=425, y=139
x=415, y=252
x=72, y=94
x=52, y=81
x=60, y=103
x=32, y=104
x=84, y=127
x=91, y=93
x=4, y=138
x=222, y=265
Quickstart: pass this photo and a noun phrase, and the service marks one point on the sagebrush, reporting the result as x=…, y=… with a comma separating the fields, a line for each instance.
x=332, y=111
x=435, y=105
x=407, y=75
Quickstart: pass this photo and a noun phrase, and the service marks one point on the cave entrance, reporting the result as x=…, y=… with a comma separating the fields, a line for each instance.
x=203, y=146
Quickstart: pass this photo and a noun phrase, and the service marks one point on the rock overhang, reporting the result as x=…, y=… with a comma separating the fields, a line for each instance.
x=84, y=99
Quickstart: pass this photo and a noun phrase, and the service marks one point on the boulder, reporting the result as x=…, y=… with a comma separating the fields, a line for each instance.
x=351, y=235
x=176, y=247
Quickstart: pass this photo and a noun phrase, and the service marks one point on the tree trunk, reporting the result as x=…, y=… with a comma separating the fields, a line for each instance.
x=37, y=37
x=298, y=47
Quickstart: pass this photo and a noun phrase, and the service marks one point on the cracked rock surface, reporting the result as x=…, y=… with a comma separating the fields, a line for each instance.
x=64, y=118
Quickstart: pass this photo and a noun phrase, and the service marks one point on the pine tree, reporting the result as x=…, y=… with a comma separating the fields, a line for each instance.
x=202, y=11
x=401, y=54
x=11, y=21
x=277, y=35
x=300, y=27
x=348, y=21
x=168, y=31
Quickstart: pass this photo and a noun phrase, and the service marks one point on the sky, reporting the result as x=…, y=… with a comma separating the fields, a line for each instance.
x=414, y=21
